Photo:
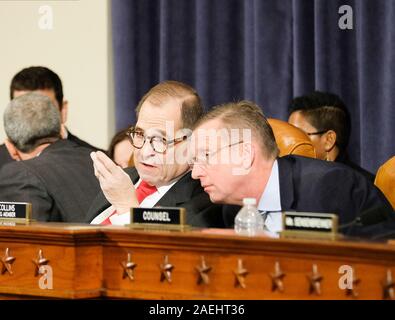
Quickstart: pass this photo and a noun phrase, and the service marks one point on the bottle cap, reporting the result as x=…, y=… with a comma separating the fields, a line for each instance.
x=249, y=201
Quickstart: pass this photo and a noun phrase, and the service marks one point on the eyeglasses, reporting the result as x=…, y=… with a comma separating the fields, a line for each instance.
x=207, y=158
x=316, y=133
x=159, y=144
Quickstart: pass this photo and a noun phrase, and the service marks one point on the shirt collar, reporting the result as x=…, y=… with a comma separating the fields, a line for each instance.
x=270, y=199
x=163, y=189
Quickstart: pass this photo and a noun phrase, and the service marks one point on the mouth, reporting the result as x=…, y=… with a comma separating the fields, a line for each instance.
x=147, y=165
x=206, y=187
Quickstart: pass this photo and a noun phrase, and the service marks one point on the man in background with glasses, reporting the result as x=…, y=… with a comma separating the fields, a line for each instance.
x=161, y=177
x=234, y=167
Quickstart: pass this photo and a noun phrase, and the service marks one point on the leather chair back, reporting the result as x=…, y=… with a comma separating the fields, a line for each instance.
x=291, y=140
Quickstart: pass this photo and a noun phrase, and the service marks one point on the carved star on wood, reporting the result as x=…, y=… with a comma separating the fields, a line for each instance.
x=315, y=279
x=203, y=269
x=166, y=269
x=240, y=274
x=128, y=268
x=40, y=261
x=7, y=260
x=388, y=286
x=277, y=278
x=353, y=292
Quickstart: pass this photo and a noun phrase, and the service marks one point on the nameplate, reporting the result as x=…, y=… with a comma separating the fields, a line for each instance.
x=18, y=211
x=308, y=224
x=158, y=216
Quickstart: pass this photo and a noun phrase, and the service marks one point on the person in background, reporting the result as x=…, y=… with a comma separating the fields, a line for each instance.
x=121, y=150
x=326, y=120
x=48, y=83
x=55, y=175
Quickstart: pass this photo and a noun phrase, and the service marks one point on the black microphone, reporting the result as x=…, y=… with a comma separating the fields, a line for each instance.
x=369, y=217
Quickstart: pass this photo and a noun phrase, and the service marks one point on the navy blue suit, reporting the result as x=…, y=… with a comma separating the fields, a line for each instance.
x=312, y=185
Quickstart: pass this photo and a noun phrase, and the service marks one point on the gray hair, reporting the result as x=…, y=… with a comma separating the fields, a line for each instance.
x=31, y=120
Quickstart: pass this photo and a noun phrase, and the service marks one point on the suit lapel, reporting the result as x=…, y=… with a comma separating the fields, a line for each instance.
x=132, y=172
x=180, y=192
x=287, y=193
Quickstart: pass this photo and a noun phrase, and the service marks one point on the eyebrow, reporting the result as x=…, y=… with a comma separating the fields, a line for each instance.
x=160, y=131
x=138, y=129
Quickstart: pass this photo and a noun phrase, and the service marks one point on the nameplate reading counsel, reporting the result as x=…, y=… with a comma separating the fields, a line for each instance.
x=159, y=215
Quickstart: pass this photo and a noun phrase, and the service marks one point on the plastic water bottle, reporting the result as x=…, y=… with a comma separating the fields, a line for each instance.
x=248, y=220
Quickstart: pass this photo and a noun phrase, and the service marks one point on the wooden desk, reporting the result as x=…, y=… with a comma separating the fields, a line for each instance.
x=117, y=262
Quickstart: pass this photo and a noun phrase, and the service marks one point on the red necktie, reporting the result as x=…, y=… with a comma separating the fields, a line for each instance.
x=142, y=191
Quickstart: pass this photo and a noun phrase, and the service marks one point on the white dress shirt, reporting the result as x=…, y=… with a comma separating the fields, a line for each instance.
x=270, y=201
x=150, y=201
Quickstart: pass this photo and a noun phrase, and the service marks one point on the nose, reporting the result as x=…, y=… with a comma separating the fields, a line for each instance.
x=197, y=172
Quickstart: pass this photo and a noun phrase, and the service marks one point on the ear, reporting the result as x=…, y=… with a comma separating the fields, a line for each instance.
x=12, y=150
x=330, y=140
x=63, y=131
x=64, y=111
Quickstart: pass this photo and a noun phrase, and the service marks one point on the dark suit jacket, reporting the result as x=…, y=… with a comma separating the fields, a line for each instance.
x=311, y=185
x=60, y=182
x=81, y=143
x=186, y=193
x=5, y=156
x=344, y=158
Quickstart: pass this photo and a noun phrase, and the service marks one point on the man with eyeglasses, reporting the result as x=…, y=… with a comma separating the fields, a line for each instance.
x=161, y=177
x=235, y=156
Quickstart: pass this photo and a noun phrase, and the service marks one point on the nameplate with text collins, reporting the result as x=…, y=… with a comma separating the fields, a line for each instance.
x=158, y=216
x=15, y=211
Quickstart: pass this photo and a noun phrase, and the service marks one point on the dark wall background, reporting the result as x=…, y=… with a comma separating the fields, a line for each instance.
x=267, y=51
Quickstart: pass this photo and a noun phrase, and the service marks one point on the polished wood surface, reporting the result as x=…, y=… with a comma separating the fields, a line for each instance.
x=118, y=262
x=74, y=253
